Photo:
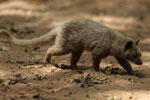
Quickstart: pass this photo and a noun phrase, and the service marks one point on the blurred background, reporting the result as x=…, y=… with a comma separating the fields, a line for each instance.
x=131, y=17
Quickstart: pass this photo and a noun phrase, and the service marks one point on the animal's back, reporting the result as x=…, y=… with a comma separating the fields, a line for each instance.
x=86, y=34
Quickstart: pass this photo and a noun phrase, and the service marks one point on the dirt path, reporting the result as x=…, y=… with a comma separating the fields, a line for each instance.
x=31, y=18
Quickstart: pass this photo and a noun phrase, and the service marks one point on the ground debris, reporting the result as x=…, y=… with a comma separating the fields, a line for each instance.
x=59, y=89
x=34, y=66
x=89, y=80
x=15, y=61
x=4, y=48
x=62, y=66
x=132, y=80
x=36, y=96
x=24, y=62
x=88, y=96
x=109, y=70
x=113, y=98
x=68, y=94
x=38, y=77
x=17, y=78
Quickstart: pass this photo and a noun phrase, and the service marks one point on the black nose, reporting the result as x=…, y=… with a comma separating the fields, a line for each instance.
x=140, y=63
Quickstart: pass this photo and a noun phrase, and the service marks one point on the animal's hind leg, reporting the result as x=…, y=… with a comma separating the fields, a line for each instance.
x=54, y=51
x=57, y=49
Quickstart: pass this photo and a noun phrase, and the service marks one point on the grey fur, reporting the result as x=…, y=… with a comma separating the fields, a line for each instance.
x=84, y=34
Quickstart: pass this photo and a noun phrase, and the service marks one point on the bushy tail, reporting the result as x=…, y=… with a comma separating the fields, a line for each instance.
x=48, y=37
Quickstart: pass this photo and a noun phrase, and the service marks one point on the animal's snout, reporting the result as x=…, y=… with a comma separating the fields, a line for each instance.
x=139, y=62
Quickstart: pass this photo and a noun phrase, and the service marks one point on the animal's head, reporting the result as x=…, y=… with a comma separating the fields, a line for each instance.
x=132, y=52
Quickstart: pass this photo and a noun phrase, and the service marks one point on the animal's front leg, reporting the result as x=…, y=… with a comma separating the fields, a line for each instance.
x=126, y=65
x=96, y=61
x=75, y=56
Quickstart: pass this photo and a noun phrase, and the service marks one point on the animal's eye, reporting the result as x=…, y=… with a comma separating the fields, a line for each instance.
x=134, y=55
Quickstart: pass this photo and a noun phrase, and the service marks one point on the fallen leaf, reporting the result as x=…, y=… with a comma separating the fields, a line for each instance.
x=89, y=96
x=113, y=98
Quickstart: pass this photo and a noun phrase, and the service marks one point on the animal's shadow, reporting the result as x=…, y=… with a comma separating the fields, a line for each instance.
x=81, y=69
x=116, y=71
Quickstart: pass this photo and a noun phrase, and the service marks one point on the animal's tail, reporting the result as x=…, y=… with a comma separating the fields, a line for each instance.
x=48, y=37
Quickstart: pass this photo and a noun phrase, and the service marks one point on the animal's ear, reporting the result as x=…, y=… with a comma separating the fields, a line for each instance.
x=137, y=42
x=128, y=45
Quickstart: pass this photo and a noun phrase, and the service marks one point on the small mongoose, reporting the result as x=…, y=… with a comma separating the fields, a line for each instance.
x=83, y=34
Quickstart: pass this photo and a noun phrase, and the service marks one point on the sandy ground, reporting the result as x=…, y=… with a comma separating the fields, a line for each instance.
x=31, y=18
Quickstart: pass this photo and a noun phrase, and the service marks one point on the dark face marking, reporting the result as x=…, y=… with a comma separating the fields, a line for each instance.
x=133, y=53
x=135, y=56
x=128, y=45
